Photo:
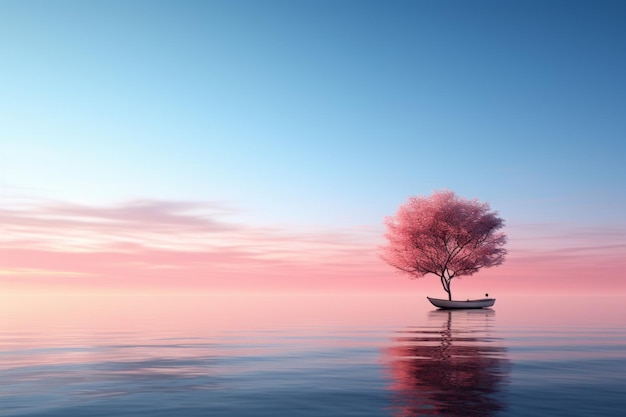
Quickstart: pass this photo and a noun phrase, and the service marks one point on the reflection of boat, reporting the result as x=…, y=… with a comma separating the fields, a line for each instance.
x=474, y=317
x=452, y=367
x=484, y=302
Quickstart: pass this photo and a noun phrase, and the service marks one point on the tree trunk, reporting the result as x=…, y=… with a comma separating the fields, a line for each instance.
x=446, y=286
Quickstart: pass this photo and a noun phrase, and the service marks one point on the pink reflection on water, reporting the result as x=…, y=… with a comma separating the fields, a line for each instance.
x=37, y=330
x=451, y=367
x=450, y=363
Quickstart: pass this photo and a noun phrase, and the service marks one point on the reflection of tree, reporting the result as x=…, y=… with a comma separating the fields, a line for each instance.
x=452, y=368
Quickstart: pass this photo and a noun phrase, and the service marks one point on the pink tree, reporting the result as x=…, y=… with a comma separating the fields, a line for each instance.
x=444, y=235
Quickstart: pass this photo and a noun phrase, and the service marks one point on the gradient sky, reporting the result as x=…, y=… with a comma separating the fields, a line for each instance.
x=206, y=146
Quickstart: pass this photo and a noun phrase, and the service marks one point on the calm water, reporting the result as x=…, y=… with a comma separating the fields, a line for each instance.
x=310, y=356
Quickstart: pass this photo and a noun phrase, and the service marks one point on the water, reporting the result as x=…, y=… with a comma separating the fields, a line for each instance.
x=310, y=356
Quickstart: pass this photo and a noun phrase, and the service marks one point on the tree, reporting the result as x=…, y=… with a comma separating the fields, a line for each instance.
x=444, y=235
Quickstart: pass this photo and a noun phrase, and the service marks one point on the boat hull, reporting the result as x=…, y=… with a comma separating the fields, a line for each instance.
x=452, y=304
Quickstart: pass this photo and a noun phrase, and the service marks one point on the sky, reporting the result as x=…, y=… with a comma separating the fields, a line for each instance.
x=257, y=146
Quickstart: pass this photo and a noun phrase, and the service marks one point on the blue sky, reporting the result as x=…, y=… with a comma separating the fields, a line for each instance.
x=325, y=113
x=315, y=111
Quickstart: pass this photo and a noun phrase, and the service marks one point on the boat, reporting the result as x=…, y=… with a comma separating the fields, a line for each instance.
x=483, y=302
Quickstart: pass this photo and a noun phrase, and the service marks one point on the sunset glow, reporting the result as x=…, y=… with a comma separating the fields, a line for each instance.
x=220, y=147
x=157, y=246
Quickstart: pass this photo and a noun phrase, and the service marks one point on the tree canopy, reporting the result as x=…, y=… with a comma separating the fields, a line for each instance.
x=444, y=235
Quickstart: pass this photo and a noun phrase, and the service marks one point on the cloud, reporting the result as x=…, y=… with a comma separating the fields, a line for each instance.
x=135, y=216
x=146, y=245
x=62, y=226
x=563, y=259
x=173, y=225
x=169, y=243
x=551, y=241
x=37, y=272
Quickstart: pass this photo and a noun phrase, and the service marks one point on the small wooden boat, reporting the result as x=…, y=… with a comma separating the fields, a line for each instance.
x=484, y=302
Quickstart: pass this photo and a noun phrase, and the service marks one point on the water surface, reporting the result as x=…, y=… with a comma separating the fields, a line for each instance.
x=310, y=356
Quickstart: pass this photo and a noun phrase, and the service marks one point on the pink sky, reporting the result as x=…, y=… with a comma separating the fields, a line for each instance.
x=152, y=246
x=258, y=107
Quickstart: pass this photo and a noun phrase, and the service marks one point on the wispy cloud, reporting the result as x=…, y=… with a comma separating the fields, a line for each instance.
x=565, y=258
x=146, y=244
x=61, y=225
x=548, y=240
x=171, y=243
